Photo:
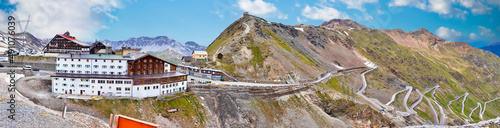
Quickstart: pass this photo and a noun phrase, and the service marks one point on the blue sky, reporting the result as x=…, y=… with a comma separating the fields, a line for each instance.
x=476, y=22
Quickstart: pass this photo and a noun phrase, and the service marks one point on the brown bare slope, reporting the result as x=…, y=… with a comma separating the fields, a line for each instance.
x=420, y=38
x=257, y=49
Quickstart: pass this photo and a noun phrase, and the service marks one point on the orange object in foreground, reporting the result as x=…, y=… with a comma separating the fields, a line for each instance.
x=121, y=121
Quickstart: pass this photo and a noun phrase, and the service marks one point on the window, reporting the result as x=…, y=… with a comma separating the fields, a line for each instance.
x=64, y=59
x=65, y=65
x=78, y=60
x=128, y=82
x=104, y=72
x=87, y=60
x=92, y=81
x=79, y=65
x=112, y=67
x=65, y=71
x=118, y=88
x=119, y=67
x=103, y=60
x=57, y=65
x=72, y=65
x=137, y=88
x=71, y=59
x=127, y=88
x=58, y=71
x=119, y=61
x=87, y=66
x=112, y=73
x=111, y=61
x=119, y=82
x=87, y=72
x=71, y=71
x=72, y=85
x=96, y=66
x=101, y=81
x=110, y=82
x=101, y=87
x=119, y=73
x=64, y=84
x=104, y=66
x=95, y=60
x=96, y=72
x=79, y=72
x=56, y=78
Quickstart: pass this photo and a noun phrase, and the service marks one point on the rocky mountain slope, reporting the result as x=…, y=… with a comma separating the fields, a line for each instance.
x=258, y=49
x=254, y=48
x=493, y=47
x=28, y=41
x=156, y=44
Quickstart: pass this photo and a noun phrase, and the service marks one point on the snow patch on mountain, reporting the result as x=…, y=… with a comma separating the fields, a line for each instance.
x=157, y=44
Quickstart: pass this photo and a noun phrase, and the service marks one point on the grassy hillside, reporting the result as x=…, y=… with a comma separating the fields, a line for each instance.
x=191, y=114
x=456, y=68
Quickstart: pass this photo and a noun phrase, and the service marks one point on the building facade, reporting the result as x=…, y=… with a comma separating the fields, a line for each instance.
x=134, y=75
x=65, y=43
x=100, y=48
x=200, y=56
x=198, y=72
x=127, y=50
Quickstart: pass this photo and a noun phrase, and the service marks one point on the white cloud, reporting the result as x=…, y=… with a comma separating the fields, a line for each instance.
x=421, y=4
x=380, y=12
x=485, y=31
x=449, y=34
x=218, y=13
x=301, y=20
x=476, y=7
x=323, y=13
x=473, y=36
x=357, y=4
x=494, y=2
x=297, y=5
x=261, y=8
x=442, y=7
x=83, y=18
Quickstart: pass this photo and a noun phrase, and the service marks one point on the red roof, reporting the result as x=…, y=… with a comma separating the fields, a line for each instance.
x=74, y=40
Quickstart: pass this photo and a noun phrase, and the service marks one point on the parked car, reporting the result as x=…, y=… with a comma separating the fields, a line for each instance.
x=27, y=67
x=4, y=59
x=36, y=69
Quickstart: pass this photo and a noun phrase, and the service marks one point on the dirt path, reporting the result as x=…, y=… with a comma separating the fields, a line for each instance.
x=34, y=115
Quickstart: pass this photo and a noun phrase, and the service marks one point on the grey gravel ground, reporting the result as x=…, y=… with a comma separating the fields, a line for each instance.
x=29, y=115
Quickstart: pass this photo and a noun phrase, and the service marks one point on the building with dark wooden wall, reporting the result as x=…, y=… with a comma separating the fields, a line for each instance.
x=100, y=48
x=65, y=43
x=146, y=64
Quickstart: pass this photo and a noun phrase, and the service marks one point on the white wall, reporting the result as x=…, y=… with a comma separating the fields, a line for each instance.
x=60, y=62
x=92, y=88
x=141, y=92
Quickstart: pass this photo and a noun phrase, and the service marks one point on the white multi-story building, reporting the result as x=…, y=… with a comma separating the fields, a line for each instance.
x=134, y=75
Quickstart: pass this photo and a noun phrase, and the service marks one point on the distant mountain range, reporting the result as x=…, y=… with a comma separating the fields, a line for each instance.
x=493, y=47
x=156, y=44
x=30, y=42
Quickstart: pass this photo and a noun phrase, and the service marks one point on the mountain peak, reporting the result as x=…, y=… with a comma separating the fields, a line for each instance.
x=335, y=23
x=421, y=31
